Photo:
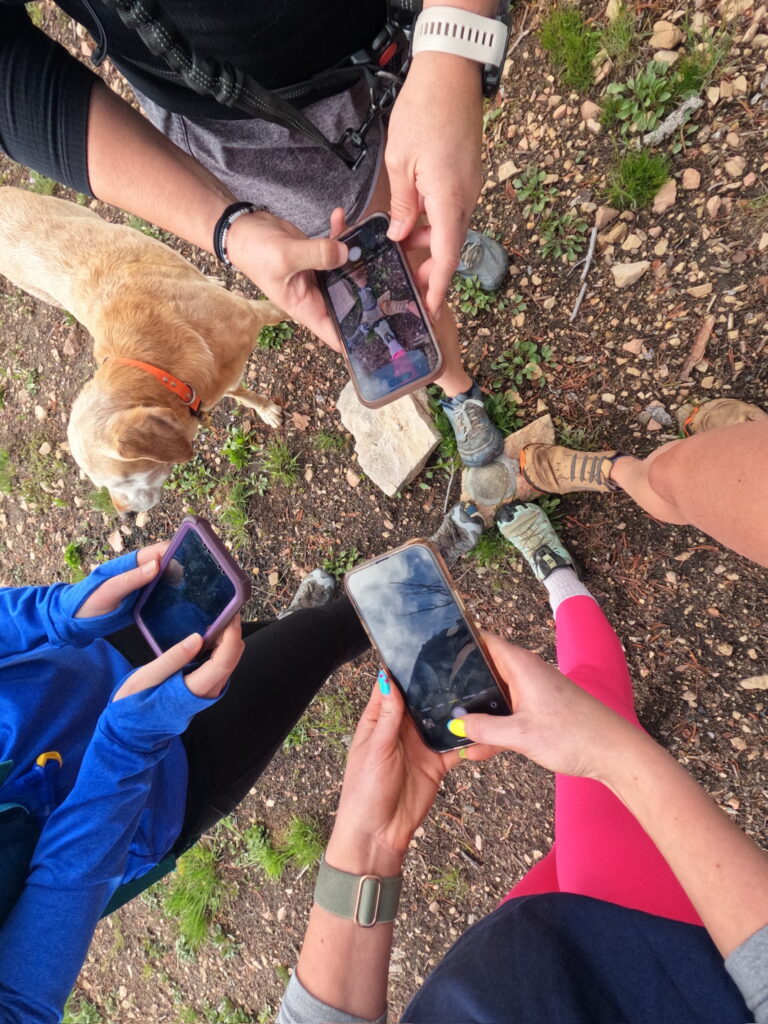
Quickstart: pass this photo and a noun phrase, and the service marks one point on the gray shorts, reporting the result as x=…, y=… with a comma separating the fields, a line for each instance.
x=282, y=170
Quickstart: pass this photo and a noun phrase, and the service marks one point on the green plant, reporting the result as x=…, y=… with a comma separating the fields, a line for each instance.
x=337, y=563
x=75, y=561
x=303, y=842
x=328, y=441
x=235, y=513
x=572, y=45
x=100, y=501
x=502, y=409
x=195, y=895
x=635, y=179
x=702, y=58
x=532, y=192
x=192, y=479
x=139, y=224
x=225, y=1012
x=35, y=12
x=448, y=449
x=40, y=184
x=298, y=736
x=6, y=472
x=240, y=447
x=618, y=37
x=452, y=884
x=526, y=362
x=492, y=551
x=490, y=115
x=80, y=1010
x=280, y=464
x=562, y=235
x=640, y=103
x=333, y=715
x=260, y=853
x=472, y=299
x=274, y=336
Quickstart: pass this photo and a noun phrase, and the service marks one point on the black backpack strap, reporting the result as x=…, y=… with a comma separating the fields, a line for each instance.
x=18, y=838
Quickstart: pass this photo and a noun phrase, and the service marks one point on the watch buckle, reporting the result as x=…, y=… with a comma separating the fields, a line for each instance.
x=360, y=885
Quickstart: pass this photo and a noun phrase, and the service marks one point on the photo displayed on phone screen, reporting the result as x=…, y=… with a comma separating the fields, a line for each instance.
x=423, y=638
x=189, y=596
x=382, y=328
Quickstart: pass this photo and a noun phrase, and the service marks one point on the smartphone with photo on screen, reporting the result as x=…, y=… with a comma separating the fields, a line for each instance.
x=198, y=589
x=414, y=618
x=387, y=340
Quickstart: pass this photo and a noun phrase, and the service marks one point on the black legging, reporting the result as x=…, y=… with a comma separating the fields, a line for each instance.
x=284, y=664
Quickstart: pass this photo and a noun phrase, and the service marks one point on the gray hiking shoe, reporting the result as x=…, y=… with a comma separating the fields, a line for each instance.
x=316, y=589
x=478, y=441
x=459, y=531
x=527, y=527
x=483, y=258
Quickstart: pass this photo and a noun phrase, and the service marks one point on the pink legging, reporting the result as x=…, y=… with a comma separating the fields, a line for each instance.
x=599, y=849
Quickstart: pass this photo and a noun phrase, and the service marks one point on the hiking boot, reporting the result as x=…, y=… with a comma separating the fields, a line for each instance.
x=483, y=258
x=459, y=531
x=527, y=527
x=315, y=590
x=478, y=441
x=555, y=470
x=721, y=412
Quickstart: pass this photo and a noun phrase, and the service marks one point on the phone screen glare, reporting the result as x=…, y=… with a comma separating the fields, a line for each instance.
x=385, y=335
x=189, y=596
x=423, y=639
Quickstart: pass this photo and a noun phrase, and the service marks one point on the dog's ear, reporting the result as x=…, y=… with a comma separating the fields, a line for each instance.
x=149, y=432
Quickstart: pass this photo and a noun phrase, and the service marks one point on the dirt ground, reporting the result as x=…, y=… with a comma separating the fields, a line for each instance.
x=690, y=613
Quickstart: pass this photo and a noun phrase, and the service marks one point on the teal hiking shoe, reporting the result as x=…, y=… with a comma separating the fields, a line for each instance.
x=527, y=527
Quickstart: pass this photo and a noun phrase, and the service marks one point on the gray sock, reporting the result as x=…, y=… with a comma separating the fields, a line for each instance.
x=562, y=584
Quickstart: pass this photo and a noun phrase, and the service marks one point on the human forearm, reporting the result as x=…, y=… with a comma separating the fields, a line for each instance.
x=724, y=873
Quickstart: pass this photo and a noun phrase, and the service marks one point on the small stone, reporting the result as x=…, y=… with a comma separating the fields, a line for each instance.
x=755, y=683
x=713, y=207
x=590, y=110
x=665, y=198
x=309, y=474
x=626, y=274
x=613, y=9
x=45, y=448
x=708, y=382
x=635, y=346
x=660, y=249
x=725, y=649
x=726, y=89
x=733, y=139
x=604, y=216
x=713, y=95
x=691, y=179
x=116, y=542
x=594, y=126
x=559, y=112
x=142, y=519
x=353, y=478
x=700, y=291
x=388, y=524
x=273, y=578
x=507, y=169
x=608, y=398
x=740, y=86
x=735, y=167
x=749, y=179
x=667, y=57
x=40, y=414
x=615, y=234
x=738, y=743
x=632, y=243
x=666, y=36
x=762, y=245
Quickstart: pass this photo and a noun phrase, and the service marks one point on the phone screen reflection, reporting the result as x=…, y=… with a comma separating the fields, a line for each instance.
x=425, y=643
x=190, y=595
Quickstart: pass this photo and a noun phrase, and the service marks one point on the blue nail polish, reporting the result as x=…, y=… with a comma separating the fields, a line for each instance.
x=384, y=683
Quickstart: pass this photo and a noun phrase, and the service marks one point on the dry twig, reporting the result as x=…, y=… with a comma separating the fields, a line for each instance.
x=587, y=264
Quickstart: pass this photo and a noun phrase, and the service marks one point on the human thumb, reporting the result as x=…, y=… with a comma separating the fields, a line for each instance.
x=163, y=667
x=313, y=254
x=391, y=710
x=493, y=730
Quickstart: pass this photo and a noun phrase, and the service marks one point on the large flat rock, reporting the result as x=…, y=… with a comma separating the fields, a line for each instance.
x=392, y=443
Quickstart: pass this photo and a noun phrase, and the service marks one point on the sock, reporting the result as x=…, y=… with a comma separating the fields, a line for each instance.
x=472, y=392
x=562, y=584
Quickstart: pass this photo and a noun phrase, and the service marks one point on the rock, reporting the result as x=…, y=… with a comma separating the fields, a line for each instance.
x=665, y=198
x=40, y=414
x=713, y=95
x=660, y=249
x=116, y=542
x=730, y=9
x=749, y=179
x=614, y=235
x=734, y=167
x=666, y=36
x=762, y=245
x=691, y=179
x=142, y=519
x=613, y=10
x=632, y=243
x=754, y=683
x=738, y=743
x=713, y=207
x=667, y=57
x=559, y=112
x=507, y=169
x=726, y=89
x=590, y=109
x=594, y=126
x=604, y=216
x=635, y=346
x=45, y=448
x=608, y=398
x=740, y=86
x=625, y=274
x=733, y=139
x=700, y=291
x=392, y=443
x=353, y=478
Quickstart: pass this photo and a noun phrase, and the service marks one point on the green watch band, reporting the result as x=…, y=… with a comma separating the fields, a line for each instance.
x=365, y=899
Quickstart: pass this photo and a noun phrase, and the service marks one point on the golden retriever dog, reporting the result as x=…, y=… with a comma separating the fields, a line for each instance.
x=144, y=303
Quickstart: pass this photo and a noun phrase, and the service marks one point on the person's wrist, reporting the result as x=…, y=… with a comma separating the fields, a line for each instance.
x=241, y=235
x=448, y=67
x=360, y=854
x=624, y=757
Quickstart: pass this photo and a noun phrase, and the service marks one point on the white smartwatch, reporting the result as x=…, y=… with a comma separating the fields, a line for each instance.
x=464, y=34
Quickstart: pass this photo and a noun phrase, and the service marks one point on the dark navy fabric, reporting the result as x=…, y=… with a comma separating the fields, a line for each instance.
x=565, y=959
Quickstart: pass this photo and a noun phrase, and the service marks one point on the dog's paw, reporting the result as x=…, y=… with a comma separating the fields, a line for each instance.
x=271, y=413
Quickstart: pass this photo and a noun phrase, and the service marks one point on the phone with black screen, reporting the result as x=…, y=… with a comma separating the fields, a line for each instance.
x=387, y=341
x=414, y=618
x=198, y=589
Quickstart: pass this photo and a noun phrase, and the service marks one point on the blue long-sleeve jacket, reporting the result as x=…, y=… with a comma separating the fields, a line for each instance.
x=114, y=807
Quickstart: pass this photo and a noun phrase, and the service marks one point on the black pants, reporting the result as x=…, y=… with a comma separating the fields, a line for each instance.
x=284, y=664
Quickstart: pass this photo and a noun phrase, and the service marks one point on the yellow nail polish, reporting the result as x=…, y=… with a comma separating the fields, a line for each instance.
x=462, y=752
x=457, y=727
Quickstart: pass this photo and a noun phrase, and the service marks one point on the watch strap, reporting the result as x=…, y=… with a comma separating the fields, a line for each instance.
x=365, y=899
x=462, y=33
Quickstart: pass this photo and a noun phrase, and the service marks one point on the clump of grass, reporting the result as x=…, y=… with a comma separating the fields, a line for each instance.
x=100, y=501
x=196, y=894
x=235, y=513
x=329, y=441
x=618, y=37
x=452, y=885
x=572, y=45
x=74, y=560
x=274, y=336
x=6, y=472
x=492, y=551
x=144, y=226
x=301, y=845
x=280, y=464
x=448, y=449
x=40, y=184
x=303, y=842
x=502, y=409
x=635, y=179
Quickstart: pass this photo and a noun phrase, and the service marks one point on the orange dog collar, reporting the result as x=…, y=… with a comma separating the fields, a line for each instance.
x=184, y=391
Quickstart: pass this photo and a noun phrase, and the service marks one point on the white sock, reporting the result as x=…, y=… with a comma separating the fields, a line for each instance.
x=562, y=584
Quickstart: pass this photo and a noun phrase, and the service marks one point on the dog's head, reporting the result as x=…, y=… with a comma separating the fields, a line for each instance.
x=126, y=446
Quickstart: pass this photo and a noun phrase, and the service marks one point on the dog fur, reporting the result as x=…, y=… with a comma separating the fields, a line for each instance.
x=142, y=300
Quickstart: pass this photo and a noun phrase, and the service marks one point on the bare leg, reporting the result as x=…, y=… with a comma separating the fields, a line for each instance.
x=716, y=481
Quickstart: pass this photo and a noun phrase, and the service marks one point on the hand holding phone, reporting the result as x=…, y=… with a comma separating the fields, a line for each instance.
x=198, y=589
x=432, y=652
x=387, y=341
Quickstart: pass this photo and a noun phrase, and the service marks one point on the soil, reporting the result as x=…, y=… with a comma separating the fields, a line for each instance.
x=690, y=613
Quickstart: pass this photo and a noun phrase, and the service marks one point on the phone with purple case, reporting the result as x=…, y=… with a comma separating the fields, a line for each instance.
x=198, y=589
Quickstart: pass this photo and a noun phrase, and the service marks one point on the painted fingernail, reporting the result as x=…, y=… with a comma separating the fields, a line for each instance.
x=383, y=681
x=457, y=727
x=463, y=753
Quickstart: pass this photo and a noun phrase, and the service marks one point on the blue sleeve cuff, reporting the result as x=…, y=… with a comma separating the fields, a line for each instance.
x=67, y=599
